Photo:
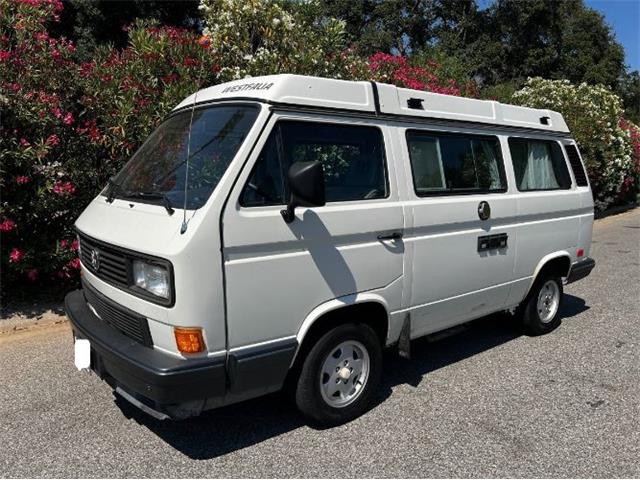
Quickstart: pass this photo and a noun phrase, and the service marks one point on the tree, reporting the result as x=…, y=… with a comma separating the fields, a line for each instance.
x=502, y=44
x=629, y=90
x=588, y=51
x=392, y=26
x=551, y=39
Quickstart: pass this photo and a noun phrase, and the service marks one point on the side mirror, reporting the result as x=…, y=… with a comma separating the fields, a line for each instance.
x=306, y=183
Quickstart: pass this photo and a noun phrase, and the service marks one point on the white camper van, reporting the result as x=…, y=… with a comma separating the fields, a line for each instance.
x=283, y=230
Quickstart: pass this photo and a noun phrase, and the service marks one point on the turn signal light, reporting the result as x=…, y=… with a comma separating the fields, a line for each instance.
x=189, y=340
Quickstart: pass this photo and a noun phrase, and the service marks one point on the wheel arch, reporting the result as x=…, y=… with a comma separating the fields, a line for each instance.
x=373, y=309
x=558, y=262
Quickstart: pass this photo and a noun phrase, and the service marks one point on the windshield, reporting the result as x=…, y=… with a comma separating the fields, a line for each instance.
x=156, y=172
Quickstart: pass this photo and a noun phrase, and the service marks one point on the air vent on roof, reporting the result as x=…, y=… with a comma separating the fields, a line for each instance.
x=576, y=165
x=415, y=103
x=544, y=120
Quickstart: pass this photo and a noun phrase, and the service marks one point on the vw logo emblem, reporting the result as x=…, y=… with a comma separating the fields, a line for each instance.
x=95, y=259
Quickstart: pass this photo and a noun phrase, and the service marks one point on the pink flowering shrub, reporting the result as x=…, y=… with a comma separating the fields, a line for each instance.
x=128, y=92
x=69, y=126
x=428, y=76
x=40, y=153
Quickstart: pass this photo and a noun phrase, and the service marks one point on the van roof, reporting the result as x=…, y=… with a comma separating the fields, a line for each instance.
x=377, y=99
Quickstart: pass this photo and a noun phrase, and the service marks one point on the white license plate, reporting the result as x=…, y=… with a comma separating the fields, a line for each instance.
x=82, y=357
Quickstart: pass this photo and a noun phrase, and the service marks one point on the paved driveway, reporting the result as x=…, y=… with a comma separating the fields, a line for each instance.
x=483, y=402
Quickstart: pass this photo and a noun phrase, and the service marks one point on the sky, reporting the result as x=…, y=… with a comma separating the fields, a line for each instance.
x=623, y=16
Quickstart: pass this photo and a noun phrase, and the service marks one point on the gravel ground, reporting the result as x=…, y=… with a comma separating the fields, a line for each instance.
x=484, y=402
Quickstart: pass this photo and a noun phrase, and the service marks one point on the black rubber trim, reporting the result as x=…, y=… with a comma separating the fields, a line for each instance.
x=142, y=370
x=232, y=100
x=376, y=97
x=581, y=269
x=139, y=323
x=261, y=369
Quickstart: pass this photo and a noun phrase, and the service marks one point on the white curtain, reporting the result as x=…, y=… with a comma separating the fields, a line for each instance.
x=427, y=164
x=538, y=173
x=492, y=164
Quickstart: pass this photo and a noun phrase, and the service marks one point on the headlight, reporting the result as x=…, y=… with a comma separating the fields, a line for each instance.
x=152, y=278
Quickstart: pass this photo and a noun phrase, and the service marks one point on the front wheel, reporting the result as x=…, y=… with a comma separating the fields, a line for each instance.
x=340, y=375
x=539, y=312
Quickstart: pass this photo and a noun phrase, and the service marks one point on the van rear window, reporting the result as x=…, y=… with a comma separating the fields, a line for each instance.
x=576, y=166
x=352, y=157
x=445, y=163
x=538, y=165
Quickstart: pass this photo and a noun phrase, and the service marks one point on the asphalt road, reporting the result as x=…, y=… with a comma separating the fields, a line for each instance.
x=484, y=402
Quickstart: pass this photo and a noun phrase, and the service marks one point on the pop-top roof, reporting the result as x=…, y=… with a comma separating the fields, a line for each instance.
x=319, y=92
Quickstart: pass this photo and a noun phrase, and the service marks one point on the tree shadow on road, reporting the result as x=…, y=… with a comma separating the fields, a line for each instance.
x=231, y=428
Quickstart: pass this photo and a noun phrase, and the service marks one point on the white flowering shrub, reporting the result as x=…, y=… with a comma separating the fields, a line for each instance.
x=259, y=37
x=594, y=115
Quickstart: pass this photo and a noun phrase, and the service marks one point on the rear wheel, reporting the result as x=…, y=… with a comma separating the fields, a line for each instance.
x=539, y=312
x=340, y=375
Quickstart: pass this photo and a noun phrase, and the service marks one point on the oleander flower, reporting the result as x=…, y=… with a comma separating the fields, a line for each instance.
x=52, y=140
x=7, y=225
x=74, y=263
x=64, y=188
x=16, y=255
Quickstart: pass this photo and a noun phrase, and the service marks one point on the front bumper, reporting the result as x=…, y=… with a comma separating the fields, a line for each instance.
x=174, y=386
x=580, y=269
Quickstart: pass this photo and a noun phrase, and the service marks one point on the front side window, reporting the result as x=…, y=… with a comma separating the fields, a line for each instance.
x=157, y=170
x=352, y=157
x=538, y=165
x=444, y=163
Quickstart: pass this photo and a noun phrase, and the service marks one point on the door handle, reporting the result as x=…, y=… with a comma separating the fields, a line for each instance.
x=391, y=236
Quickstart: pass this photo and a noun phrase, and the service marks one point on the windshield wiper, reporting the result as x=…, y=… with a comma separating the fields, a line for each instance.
x=166, y=203
x=113, y=188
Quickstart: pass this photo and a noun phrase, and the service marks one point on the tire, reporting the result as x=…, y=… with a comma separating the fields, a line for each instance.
x=334, y=358
x=539, y=313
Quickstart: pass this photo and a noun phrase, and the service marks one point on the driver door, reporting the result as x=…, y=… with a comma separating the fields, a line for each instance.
x=278, y=272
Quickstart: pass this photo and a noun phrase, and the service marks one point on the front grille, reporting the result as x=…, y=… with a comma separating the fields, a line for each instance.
x=126, y=321
x=106, y=262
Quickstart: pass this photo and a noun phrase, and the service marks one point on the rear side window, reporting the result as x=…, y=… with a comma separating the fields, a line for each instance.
x=352, y=158
x=455, y=163
x=538, y=165
x=576, y=166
